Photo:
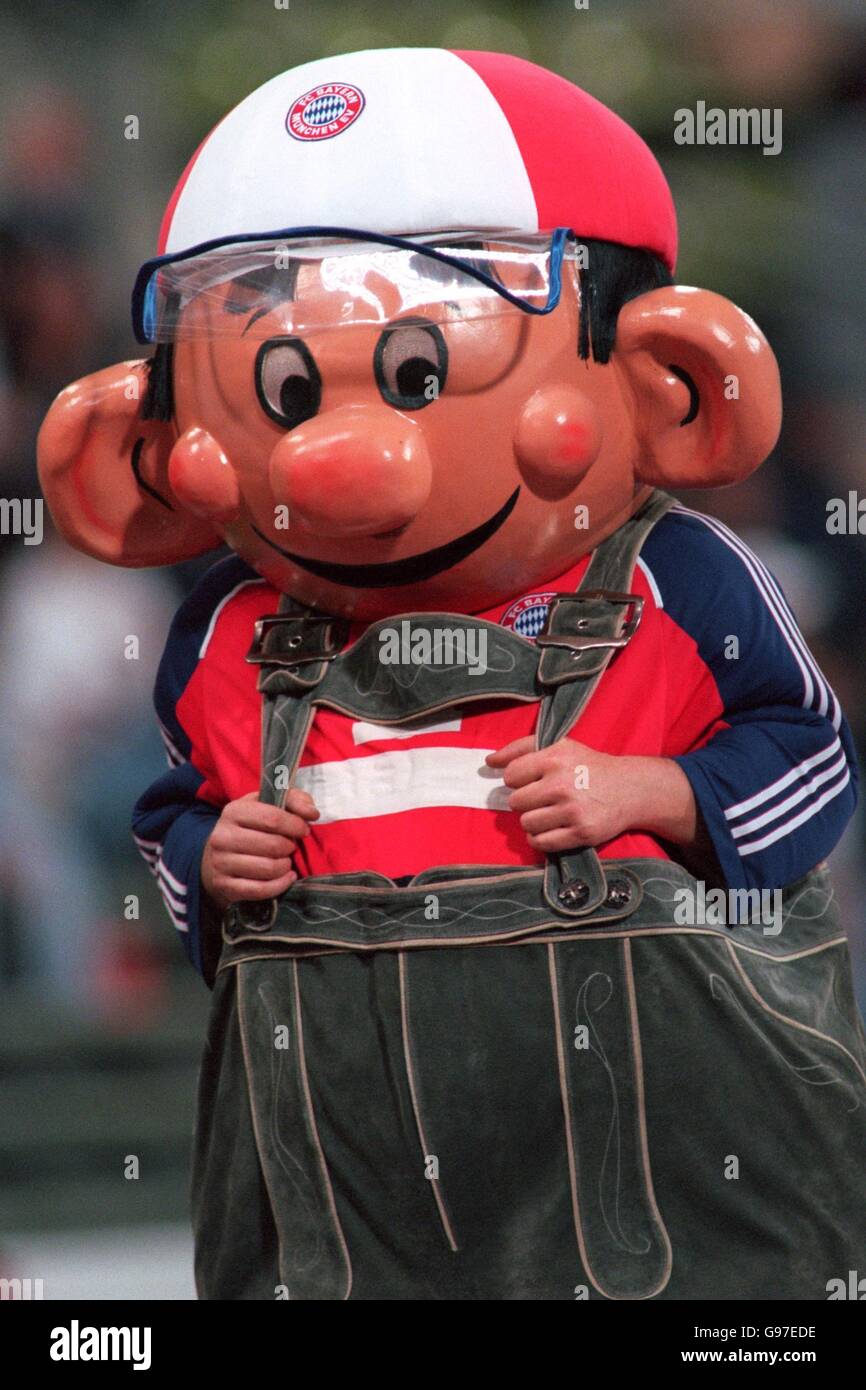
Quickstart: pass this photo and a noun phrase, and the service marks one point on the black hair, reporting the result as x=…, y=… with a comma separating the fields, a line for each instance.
x=612, y=276
x=158, y=400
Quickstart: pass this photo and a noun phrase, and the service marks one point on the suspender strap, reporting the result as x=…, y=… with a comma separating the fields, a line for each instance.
x=585, y=629
x=293, y=649
x=582, y=633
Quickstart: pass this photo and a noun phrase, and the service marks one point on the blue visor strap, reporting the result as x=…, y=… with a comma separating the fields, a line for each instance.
x=144, y=294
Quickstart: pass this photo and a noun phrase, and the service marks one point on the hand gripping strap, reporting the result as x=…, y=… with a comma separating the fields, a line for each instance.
x=579, y=639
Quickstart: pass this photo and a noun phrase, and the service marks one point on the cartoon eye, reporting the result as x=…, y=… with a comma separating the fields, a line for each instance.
x=288, y=383
x=411, y=363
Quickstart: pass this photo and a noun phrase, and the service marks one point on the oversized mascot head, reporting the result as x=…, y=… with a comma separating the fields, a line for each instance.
x=416, y=344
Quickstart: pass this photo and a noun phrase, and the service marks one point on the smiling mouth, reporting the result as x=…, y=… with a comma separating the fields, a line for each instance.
x=413, y=570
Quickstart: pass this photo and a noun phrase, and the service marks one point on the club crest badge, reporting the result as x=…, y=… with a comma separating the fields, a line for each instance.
x=528, y=615
x=325, y=111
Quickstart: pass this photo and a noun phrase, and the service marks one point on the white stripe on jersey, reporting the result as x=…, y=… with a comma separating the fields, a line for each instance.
x=364, y=732
x=403, y=780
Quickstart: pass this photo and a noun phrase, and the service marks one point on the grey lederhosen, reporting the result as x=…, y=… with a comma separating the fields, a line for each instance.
x=515, y=1083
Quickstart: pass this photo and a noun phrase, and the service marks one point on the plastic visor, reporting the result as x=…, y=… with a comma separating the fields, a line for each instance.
x=320, y=281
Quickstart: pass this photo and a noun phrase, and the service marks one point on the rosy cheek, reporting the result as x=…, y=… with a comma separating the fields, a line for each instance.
x=575, y=443
x=558, y=434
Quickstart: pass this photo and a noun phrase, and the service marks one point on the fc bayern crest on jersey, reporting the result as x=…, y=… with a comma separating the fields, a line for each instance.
x=528, y=615
x=325, y=111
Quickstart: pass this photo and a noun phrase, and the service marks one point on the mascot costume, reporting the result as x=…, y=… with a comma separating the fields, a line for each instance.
x=500, y=783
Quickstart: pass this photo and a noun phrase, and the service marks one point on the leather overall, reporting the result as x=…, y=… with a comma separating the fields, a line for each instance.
x=506, y=1082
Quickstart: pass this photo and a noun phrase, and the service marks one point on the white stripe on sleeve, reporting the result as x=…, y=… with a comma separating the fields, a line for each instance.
x=734, y=812
x=794, y=799
x=753, y=846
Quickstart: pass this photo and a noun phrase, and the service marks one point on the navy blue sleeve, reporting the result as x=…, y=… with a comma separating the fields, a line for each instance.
x=171, y=827
x=776, y=788
x=170, y=822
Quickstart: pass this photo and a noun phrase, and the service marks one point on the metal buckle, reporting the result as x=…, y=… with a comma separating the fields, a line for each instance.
x=251, y=916
x=579, y=644
x=316, y=637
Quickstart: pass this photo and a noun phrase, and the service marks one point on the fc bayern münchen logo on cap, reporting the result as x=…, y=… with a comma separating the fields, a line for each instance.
x=528, y=615
x=325, y=111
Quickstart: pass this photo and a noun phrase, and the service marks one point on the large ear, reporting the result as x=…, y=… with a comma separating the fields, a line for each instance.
x=708, y=403
x=104, y=473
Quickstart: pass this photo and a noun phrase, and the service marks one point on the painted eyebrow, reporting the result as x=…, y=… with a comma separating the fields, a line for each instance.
x=277, y=285
x=265, y=309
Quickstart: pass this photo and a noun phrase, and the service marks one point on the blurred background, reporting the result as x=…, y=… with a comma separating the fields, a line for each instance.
x=101, y=1020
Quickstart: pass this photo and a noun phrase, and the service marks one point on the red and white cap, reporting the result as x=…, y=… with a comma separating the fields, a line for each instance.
x=406, y=141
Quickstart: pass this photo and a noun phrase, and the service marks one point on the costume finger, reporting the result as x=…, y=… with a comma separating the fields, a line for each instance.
x=515, y=749
x=240, y=890
x=248, y=867
x=543, y=819
x=265, y=844
x=541, y=792
x=301, y=803
x=553, y=841
x=258, y=815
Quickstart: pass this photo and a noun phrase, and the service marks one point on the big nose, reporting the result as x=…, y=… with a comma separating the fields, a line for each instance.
x=356, y=470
